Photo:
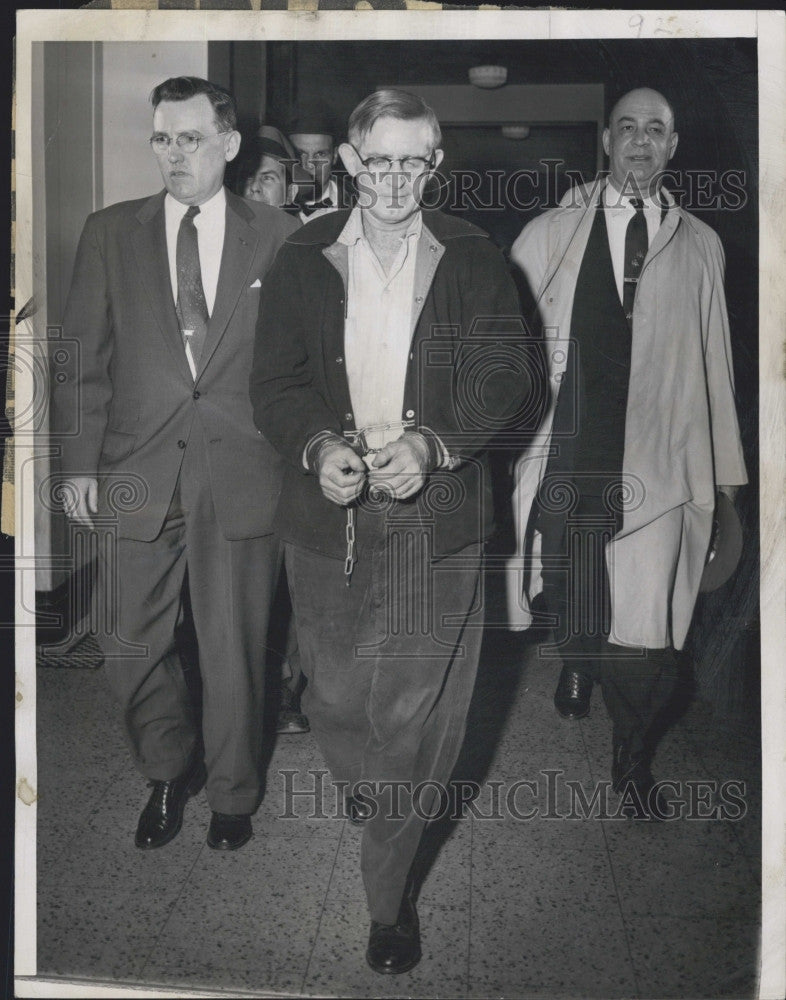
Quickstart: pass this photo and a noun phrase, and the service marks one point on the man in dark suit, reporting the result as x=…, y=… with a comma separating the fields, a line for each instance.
x=163, y=303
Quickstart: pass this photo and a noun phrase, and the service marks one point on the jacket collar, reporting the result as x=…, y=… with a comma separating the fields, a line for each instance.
x=325, y=229
x=579, y=205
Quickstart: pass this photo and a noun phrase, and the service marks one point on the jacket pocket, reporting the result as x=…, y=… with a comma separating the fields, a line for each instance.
x=117, y=445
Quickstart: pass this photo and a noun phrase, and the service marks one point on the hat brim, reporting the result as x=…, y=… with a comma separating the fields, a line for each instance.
x=725, y=555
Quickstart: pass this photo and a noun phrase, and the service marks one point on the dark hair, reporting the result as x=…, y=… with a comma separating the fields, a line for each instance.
x=390, y=104
x=181, y=88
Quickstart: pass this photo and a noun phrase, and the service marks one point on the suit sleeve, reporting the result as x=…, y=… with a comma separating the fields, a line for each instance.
x=87, y=389
x=289, y=408
x=499, y=382
x=727, y=447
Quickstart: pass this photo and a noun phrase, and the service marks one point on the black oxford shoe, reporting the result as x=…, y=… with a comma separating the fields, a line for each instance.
x=394, y=948
x=162, y=817
x=358, y=809
x=228, y=832
x=572, y=697
x=632, y=779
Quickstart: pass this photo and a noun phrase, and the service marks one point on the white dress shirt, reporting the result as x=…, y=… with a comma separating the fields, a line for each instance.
x=210, y=226
x=619, y=211
x=378, y=329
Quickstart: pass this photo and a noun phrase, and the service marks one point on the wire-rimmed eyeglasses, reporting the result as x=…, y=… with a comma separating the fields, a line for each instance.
x=188, y=142
x=407, y=164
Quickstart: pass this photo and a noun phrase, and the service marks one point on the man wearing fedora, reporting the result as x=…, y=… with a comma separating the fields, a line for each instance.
x=617, y=493
x=313, y=132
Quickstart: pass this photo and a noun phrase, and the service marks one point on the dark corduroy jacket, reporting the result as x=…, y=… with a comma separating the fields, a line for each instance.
x=469, y=377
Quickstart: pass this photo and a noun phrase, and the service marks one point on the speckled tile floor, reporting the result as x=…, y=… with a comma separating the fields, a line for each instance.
x=524, y=897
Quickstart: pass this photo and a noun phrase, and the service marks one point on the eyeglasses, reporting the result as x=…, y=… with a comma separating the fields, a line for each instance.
x=187, y=141
x=409, y=164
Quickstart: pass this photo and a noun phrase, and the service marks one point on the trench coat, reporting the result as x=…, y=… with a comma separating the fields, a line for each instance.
x=681, y=431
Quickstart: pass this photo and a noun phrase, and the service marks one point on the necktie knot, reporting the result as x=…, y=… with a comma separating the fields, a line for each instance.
x=316, y=206
x=192, y=211
x=637, y=203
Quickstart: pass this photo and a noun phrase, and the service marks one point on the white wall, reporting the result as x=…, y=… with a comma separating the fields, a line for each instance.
x=130, y=72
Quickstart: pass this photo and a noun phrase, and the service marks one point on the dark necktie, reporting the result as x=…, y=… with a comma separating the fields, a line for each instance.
x=191, y=305
x=636, y=246
x=308, y=209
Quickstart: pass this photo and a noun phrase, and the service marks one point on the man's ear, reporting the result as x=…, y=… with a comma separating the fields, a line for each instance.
x=673, y=144
x=291, y=194
x=350, y=159
x=606, y=141
x=439, y=155
x=232, y=147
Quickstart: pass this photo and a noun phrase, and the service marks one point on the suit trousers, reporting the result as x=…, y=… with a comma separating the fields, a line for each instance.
x=231, y=585
x=391, y=662
x=637, y=683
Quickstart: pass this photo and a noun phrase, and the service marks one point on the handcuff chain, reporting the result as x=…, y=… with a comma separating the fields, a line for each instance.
x=350, y=560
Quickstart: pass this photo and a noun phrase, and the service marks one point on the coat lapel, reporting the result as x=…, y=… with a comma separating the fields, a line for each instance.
x=240, y=247
x=149, y=243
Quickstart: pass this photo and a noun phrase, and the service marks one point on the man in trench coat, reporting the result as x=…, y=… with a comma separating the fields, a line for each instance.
x=616, y=494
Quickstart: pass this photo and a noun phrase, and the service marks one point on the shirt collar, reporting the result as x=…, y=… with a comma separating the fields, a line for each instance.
x=211, y=209
x=353, y=230
x=329, y=194
x=613, y=199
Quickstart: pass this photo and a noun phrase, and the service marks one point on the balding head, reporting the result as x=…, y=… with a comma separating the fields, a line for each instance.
x=639, y=95
x=640, y=140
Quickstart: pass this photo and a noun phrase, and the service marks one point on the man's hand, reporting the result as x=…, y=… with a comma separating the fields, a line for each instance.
x=80, y=499
x=400, y=468
x=340, y=470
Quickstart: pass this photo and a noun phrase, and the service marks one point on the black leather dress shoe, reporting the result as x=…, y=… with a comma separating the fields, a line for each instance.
x=394, y=948
x=290, y=719
x=291, y=723
x=162, y=817
x=358, y=809
x=228, y=832
x=572, y=697
x=632, y=778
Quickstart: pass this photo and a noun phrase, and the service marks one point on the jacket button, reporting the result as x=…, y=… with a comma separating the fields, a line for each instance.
x=196, y=394
x=418, y=298
x=181, y=443
x=347, y=416
x=411, y=356
x=433, y=249
x=339, y=361
x=409, y=414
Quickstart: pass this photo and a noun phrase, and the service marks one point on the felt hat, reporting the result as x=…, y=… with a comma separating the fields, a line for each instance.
x=725, y=547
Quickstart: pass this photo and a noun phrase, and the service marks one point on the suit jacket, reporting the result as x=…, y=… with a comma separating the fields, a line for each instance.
x=681, y=432
x=468, y=376
x=138, y=405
